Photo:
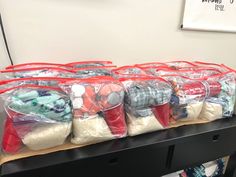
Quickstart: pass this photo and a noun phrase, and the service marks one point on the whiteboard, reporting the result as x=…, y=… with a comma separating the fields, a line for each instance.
x=210, y=15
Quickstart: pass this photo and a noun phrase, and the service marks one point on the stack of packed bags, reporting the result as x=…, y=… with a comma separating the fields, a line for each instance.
x=94, y=101
x=163, y=95
x=219, y=82
x=46, y=102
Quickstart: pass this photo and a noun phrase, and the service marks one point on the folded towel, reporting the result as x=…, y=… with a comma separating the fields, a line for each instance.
x=90, y=130
x=140, y=125
x=47, y=135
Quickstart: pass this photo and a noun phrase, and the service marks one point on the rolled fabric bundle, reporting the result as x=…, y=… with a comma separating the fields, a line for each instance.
x=98, y=109
x=44, y=103
x=147, y=93
x=93, y=129
x=142, y=112
x=187, y=112
x=143, y=122
x=194, y=109
x=47, y=136
x=211, y=111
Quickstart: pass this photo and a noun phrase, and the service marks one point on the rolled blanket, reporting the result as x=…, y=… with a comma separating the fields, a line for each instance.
x=192, y=111
x=140, y=125
x=145, y=94
x=211, y=111
x=93, y=129
x=47, y=136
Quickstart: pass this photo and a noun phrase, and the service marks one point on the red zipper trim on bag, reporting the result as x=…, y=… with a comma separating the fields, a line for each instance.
x=95, y=79
x=156, y=67
x=31, y=86
x=199, y=67
x=215, y=64
x=126, y=67
x=35, y=69
x=205, y=63
x=181, y=61
x=185, y=77
x=116, y=71
x=219, y=75
x=25, y=64
x=142, y=78
x=230, y=69
x=2, y=82
x=202, y=69
x=88, y=62
x=60, y=79
x=96, y=67
x=133, y=75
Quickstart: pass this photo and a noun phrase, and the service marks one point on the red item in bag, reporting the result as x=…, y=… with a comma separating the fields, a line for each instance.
x=11, y=142
x=109, y=95
x=214, y=88
x=115, y=119
x=194, y=88
x=162, y=113
x=198, y=88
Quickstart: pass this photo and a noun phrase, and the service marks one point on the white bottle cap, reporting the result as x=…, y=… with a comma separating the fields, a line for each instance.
x=78, y=90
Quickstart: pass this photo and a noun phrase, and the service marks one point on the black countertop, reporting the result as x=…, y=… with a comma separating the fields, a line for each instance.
x=159, y=139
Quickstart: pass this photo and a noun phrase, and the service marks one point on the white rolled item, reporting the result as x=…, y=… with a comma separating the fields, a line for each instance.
x=211, y=111
x=90, y=130
x=140, y=125
x=47, y=136
x=193, y=110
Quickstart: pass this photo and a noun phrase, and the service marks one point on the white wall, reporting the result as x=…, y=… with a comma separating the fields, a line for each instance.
x=126, y=31
x=4, y=60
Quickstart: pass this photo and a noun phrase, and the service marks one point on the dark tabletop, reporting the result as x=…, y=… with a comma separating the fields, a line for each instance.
x=161, y=138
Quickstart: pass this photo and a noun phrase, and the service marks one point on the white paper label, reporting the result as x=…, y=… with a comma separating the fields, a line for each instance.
x=212, y=15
